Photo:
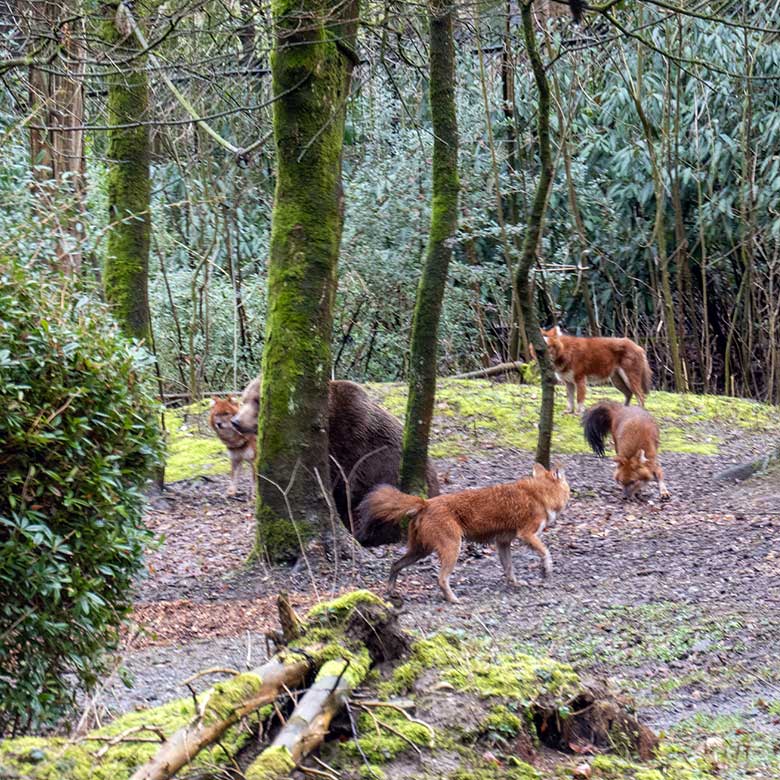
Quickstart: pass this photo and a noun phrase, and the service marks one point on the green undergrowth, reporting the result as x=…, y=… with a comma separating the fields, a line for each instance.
x=475, y=668
x=633, y=635
x=41, y=758
x=741, y=745
x=479, y=416
x=116, y=750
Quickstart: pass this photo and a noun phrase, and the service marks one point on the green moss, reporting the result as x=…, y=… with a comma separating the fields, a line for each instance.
x=125, y=274
x=228, y=694
x=475, y=415
x=339, y=608
x=432, y=653
x=502, y=722
x=352, y=669
x=386, y=733
x=278, y=538
x=515, y=770
x=37, y=758
x=672, y=763
x=479, y=670
x=193, y=448
x=371, y=772
x=273, y=763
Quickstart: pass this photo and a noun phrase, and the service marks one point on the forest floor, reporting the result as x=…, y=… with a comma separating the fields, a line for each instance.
x=678, y=603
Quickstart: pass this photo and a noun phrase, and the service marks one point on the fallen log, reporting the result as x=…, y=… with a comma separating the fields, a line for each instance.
x=347, y=627
x=501, y=368
x=308, y=725
x=742, y=471
x=223, y=706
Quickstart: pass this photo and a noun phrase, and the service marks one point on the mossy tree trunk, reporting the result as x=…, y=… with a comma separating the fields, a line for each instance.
x=126, y=270
x=444, y=223
x=312, y=65
x=524, y=275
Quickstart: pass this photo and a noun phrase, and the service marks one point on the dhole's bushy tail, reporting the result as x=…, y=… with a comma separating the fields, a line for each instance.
x=597, y=423
x=385, y=504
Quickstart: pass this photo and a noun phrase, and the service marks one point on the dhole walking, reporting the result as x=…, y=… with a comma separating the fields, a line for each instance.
x=493, y=514
x=578, y=359
x=635, y=436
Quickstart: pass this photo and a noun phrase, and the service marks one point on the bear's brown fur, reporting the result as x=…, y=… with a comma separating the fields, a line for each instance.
x=365, y=440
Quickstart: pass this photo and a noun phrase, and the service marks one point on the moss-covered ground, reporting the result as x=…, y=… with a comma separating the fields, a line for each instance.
x=481, y=416
x=458, y=710
x=193, y=448
x=478, y=414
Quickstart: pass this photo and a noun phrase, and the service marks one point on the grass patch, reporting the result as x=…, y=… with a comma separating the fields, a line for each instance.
x=477, y=416
x=193, y=448
x=735, y=744
x=635, y=635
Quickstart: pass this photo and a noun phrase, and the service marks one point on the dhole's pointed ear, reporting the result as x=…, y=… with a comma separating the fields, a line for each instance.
x=212, y=403
x=558, y=470
x=539, y=470
x=642, y=457
x=558, y=331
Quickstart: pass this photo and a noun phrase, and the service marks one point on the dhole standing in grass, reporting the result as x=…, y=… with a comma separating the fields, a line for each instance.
x=635, y=436
x=239, y=446
x=578, y=359
x=493, y=514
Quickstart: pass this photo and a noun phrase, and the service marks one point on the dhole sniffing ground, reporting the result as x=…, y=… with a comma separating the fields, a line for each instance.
x=678, y=603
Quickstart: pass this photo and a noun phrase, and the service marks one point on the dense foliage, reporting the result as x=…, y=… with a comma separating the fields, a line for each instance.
x=704, y=81
x=79, y=439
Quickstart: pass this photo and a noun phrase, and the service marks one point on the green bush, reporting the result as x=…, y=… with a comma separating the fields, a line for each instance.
x=78, y=441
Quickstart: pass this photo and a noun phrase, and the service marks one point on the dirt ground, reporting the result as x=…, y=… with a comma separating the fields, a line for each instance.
x=678, y=603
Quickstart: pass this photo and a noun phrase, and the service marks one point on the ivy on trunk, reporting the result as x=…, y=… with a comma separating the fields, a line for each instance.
x=312, y=65
x=444, y=223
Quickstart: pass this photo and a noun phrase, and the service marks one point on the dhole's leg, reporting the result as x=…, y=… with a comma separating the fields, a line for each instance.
x=448, y=550
x=505, y=556
x=581, y=395
x=535, y=543
x=619, y=379
x=636, y=385
x=569, y=398
x=663, y=491
x=235, y=470
x=413, y=555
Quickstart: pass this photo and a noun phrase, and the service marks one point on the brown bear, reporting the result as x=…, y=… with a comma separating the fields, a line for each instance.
x=362, y=436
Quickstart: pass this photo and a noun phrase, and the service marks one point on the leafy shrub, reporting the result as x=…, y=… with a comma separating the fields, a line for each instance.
x=78, y=440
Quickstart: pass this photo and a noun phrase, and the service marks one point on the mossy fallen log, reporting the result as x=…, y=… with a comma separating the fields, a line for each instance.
x=154, y=744
x=308, y=725
x=224, y=705
x=457, y=707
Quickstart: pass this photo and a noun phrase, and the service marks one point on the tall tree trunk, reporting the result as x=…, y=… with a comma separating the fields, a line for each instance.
x=312, y=66
x=126, y=270
x=57, y=109
x=444, y=223
x=523, y=276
